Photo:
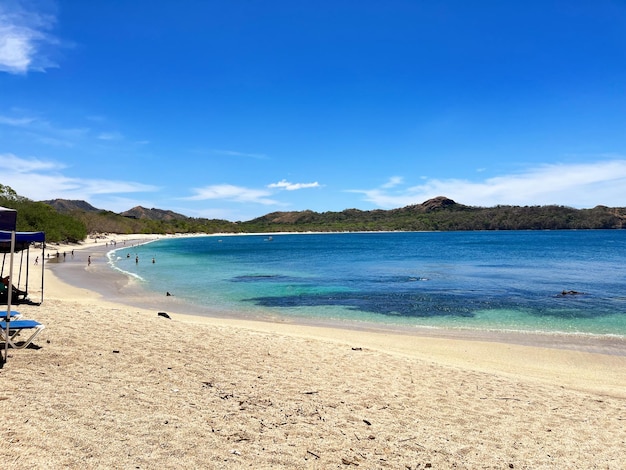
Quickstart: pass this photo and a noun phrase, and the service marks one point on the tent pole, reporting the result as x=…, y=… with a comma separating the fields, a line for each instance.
x=43, y=257
x=27, y=268
x=19, y=273
x=9, y=295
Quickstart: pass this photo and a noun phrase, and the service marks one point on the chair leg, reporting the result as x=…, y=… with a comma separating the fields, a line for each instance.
x=15, y=333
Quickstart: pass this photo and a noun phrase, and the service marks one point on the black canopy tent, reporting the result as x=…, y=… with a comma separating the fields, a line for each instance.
x=12, y=242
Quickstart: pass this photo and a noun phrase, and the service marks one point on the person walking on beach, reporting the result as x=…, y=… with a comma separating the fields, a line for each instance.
x=88, y=260
x=37, y=260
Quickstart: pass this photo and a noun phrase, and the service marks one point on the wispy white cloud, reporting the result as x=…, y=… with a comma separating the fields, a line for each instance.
x=110, y=136
x=39, y=180
x=576, y=185
x=232, y=153
x=24, y=37
x=40, y=130
x=16, y=122
x=10, y=163
x=43, y=131
x=284, y=184
x=234, y=193
x=240, y=194
x=54, y=142
x=102, y=186
x=393, y=181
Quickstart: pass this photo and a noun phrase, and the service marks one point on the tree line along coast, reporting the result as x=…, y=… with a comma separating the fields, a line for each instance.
x=72, y=221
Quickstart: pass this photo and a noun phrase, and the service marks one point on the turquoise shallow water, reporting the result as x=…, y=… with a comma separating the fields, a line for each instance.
x=477, y=280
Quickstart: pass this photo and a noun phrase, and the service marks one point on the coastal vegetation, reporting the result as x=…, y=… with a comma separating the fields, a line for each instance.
x=442, y=214
x=66, y=220
x=38, y=216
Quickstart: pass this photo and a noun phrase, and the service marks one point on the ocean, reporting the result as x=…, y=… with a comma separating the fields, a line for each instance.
x=569, y=282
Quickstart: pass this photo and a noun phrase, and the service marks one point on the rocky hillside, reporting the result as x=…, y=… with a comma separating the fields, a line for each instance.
x=152, y=214
x=65, y=206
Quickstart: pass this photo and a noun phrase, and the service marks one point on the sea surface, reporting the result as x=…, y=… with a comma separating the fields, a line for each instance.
x=541, y=281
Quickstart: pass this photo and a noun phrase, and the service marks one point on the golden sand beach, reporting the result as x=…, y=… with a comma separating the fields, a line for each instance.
x=109, y=385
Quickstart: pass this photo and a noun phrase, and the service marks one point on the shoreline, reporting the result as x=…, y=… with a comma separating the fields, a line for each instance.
x=451, y=346
x=123, y=288
x=208, y=392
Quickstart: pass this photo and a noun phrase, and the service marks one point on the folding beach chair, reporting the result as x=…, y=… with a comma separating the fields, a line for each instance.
x=15, y=328
x=14, y=314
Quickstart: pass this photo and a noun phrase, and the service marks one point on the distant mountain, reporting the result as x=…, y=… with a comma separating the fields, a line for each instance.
x=439, y=213
x=65, y=206
x=302, y=217
x=434, y=204
x=152, y=214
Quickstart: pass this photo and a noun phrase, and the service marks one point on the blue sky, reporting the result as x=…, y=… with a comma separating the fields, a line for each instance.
x=236, y=108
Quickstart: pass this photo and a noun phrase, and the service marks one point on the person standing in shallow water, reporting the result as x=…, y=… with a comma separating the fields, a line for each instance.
x=136, y=259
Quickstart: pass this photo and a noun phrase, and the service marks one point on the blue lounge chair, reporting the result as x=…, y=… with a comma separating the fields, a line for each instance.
x=15, y=328
x=14, y=314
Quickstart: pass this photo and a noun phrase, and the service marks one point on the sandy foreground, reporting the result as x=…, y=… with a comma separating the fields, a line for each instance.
x=107, y=385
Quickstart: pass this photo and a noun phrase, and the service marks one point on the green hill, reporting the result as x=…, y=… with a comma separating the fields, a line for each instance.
x=65, y=220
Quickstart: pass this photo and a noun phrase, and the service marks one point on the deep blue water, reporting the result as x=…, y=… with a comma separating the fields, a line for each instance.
x=508, y=280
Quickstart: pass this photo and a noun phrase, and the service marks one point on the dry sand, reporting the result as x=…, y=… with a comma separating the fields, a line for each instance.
x=108, y=385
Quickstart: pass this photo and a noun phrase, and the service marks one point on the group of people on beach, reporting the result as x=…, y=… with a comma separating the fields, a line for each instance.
x=57, y=256
x=137, y=258
x=89, y=257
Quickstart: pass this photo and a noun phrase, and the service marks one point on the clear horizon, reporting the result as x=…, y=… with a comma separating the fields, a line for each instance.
x=232, y=110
